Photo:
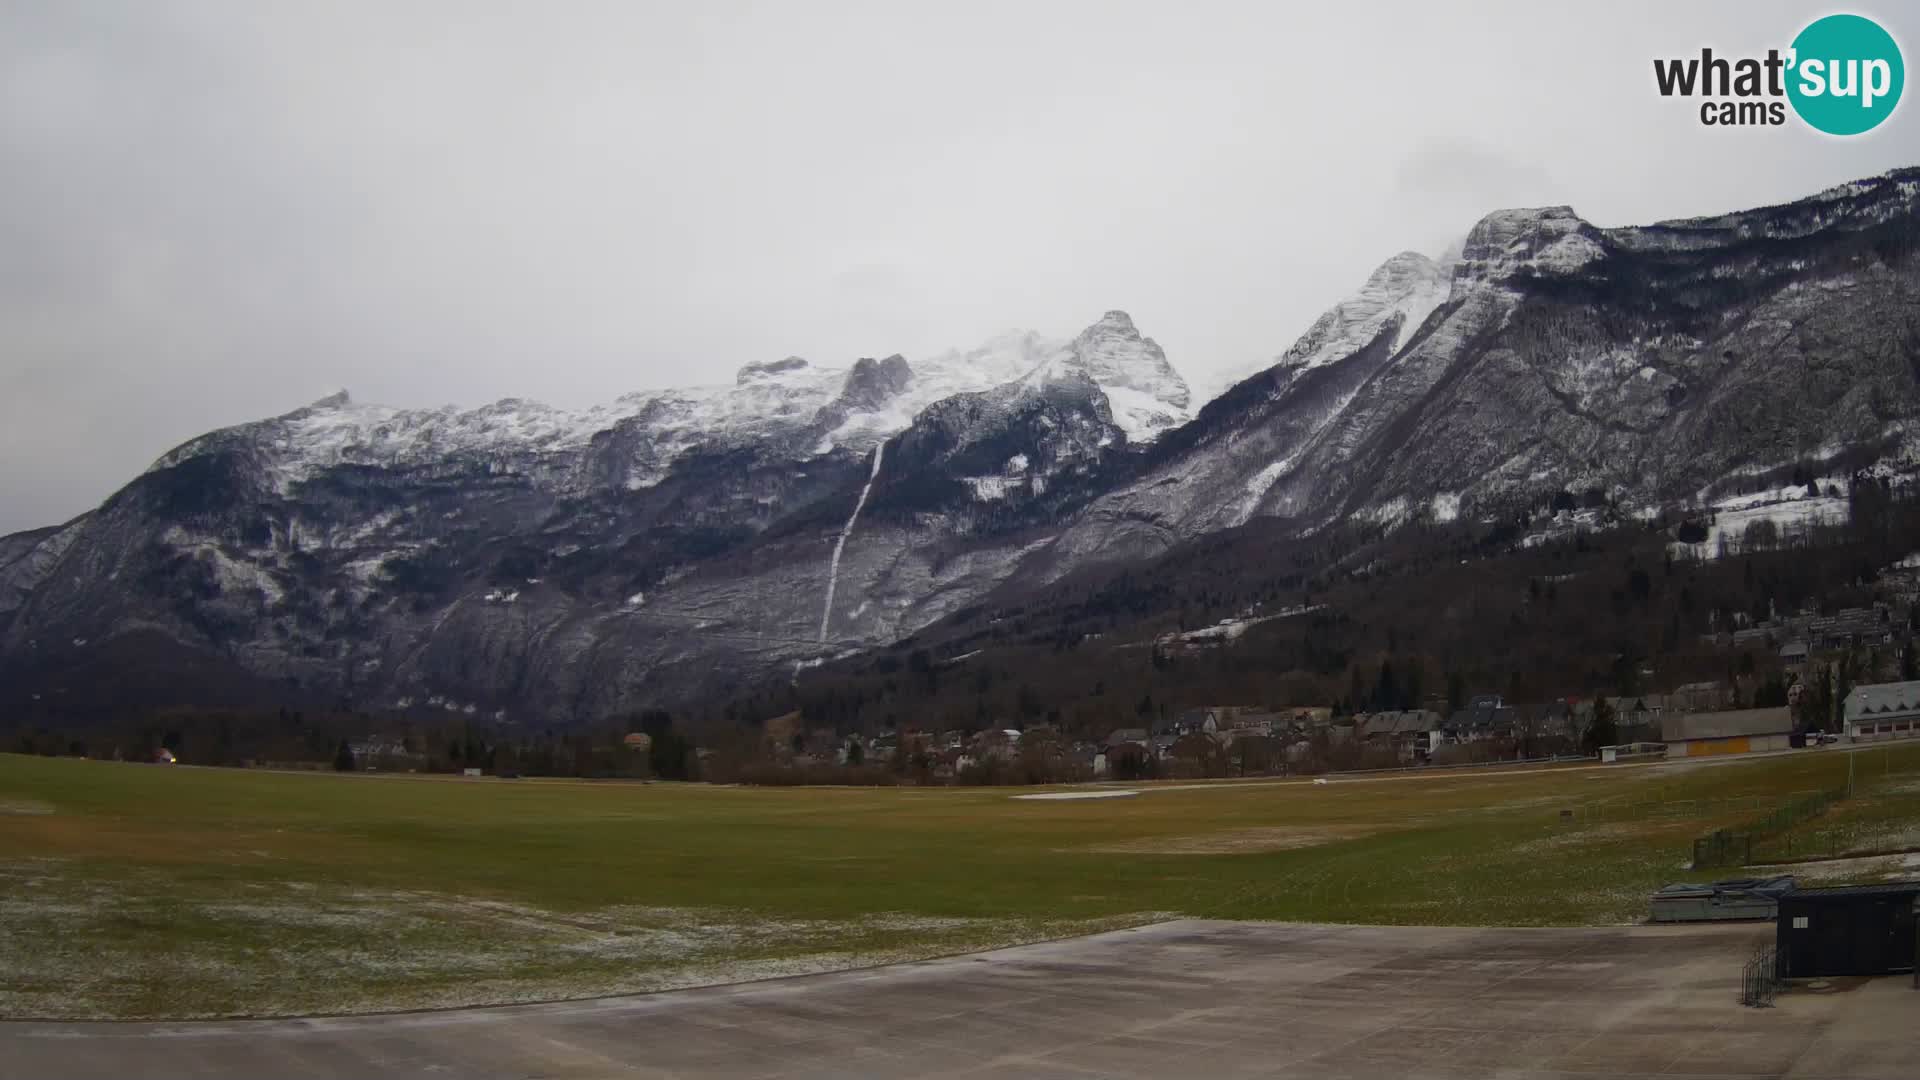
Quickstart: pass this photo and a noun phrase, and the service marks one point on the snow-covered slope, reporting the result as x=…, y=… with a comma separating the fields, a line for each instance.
x=1407, y=287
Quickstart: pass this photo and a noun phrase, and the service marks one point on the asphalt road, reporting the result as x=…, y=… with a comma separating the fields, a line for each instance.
x=1188, y=998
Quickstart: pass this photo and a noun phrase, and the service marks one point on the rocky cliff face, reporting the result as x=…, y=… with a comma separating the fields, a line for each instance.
x=529, y=563
x=1649, y=363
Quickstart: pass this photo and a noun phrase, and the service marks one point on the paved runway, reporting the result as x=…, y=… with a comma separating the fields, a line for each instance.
x=1187, y=998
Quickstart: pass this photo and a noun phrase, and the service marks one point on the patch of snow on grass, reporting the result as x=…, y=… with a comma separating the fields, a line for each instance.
x=375, y=950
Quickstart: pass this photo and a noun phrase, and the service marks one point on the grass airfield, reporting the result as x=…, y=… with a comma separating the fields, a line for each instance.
x=134, y=891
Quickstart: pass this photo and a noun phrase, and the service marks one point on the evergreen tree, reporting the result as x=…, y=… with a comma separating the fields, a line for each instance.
x=1602, y=731
x=1386, y=692
x=1842, y=687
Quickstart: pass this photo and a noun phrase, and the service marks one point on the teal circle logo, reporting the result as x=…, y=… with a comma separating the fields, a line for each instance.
x=1847, y=74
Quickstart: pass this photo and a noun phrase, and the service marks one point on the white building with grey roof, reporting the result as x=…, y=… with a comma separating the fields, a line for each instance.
x=1883, y=711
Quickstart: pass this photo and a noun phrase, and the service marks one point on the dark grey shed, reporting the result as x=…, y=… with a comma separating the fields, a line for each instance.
x=1848, y=930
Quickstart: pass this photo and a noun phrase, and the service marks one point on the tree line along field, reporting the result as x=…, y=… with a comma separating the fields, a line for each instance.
x=145, y=891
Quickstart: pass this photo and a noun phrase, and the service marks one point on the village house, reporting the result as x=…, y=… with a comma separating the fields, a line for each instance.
x=1413, y=734
x=1487, y=716
x=995, y=743
x=1221, y=719
x=1189, y=721
x=1851, y=627
x=1699, y=697
x=1639, y=718
x=1882, y=711
x=375, y=749
x=1251, y=724
x=1844, y=629
x=1552, y=728
x=1794, y=656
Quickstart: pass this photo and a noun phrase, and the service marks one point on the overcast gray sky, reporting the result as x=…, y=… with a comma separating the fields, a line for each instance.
x=216, y=211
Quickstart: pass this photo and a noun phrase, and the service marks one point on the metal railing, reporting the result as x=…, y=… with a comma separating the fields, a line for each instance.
x=1760, y=979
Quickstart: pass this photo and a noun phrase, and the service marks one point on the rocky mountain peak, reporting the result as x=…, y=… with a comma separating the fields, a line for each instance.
x=1551, y=239
x=1113, y=353
x=767, y=369
x=1401, y=272
x=1147, y=395
x=1408, y=286
x=872, y=383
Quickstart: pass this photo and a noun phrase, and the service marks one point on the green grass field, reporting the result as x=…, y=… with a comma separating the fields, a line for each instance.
x=134, y=890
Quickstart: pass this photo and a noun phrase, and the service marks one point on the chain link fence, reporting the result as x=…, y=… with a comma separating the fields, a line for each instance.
x=1737, y=846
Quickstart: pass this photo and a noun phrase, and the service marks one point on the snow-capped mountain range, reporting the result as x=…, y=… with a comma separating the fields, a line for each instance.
x=807, y=409
x=528, y=562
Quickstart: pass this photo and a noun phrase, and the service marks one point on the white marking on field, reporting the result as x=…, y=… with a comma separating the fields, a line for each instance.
x=1059, y=796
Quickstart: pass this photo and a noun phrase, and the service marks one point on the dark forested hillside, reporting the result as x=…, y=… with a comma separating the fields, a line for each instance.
x=1361, y=619
x=1574, y=599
